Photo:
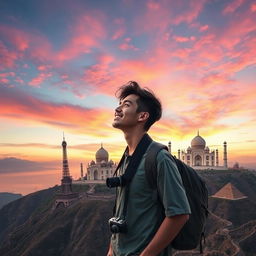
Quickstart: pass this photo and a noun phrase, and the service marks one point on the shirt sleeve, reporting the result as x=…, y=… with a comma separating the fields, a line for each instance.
x=170, y=187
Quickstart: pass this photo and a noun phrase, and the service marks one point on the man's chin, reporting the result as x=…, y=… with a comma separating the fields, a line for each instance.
x=116, y=125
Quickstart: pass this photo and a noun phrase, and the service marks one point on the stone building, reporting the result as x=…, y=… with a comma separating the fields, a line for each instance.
x=102, y=168
x=200, y=157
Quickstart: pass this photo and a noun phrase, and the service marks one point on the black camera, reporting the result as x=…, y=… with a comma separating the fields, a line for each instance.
x=115, y=182
x=117, y=225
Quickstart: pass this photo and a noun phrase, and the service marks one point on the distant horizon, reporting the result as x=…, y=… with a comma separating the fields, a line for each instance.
x=61, y=64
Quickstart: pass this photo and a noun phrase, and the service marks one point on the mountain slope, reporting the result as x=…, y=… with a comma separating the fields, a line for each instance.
x=6, y=198
x=30, y=226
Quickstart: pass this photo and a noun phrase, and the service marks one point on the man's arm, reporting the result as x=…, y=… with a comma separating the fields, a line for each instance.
x=168, y=230
x=110, y=251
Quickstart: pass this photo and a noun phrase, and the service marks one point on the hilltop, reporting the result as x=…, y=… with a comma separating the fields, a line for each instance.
x=29, y=226
x=6, y=198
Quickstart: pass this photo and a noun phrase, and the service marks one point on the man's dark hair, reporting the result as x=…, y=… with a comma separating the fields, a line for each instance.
x=147, y=101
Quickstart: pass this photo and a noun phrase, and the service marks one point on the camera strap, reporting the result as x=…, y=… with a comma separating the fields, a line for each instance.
x=132, y=166
x=135, y=159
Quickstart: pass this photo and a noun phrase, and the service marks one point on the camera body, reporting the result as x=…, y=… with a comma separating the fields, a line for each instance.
x=117, y=225
x=114, y=182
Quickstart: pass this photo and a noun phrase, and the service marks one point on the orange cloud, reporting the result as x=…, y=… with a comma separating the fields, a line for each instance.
x=20, y=106
x=216, y=78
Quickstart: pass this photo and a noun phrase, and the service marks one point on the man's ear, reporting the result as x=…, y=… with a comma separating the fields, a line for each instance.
x=143, y=116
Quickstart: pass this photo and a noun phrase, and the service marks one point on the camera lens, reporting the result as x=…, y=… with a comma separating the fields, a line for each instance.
x=113, y=182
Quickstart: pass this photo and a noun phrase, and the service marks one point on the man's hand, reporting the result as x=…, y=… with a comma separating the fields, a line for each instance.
x=168, y=230
x=110, y=251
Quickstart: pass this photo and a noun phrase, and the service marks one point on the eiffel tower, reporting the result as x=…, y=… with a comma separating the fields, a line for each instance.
x=66, y=196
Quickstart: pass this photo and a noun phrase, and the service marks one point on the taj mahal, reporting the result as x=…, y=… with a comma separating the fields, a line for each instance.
x=200, y=157
x=102, y=168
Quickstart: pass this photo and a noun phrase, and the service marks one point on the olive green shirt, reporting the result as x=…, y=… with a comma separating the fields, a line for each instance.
x=145, y=206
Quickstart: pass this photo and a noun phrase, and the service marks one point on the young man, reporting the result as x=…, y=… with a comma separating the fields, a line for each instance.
x=153, y=216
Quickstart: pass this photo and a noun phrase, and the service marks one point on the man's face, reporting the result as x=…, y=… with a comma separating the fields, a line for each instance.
x=125, y=114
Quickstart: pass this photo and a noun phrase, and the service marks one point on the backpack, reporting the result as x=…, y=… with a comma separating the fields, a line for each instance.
x=192, y=233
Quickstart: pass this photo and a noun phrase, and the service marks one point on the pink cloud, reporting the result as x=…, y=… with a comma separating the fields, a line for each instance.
x=19, y=80
x=43, y=67
x=232, y=6
x=158, y=17
x=127, y=45
x=37, y=81
x=85, y=33
x=7, y=57
x=84, y=37
x=11, y=74
x=183, y=39
x=105, y=59
x=253, y=7
x=24, y=44
x=190, y=13
x=118, y=33
x=204, y=28
x=4, y=80
x=18, y=38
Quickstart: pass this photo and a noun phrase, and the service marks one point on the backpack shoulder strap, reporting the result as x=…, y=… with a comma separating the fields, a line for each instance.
x=151, y=163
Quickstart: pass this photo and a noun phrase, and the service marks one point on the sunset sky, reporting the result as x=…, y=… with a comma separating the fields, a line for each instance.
x=61, y=63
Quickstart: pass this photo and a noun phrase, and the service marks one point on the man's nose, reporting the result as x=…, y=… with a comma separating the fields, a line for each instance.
x=118, y=109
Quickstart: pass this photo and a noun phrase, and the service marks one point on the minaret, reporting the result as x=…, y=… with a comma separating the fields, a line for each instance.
x=217, y=157
x=225, y=159
x=66, y=182
x=179, y=154
x=82, y=172
x=213, y=157
x=170, y=147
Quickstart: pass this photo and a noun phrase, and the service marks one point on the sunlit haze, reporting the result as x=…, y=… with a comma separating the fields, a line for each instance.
x=61, y=63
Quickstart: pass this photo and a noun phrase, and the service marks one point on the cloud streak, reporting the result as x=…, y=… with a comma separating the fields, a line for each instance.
x=22, y=106
x=16, y=165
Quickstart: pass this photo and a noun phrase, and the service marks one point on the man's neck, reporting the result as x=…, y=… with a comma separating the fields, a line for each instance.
x=133, y=138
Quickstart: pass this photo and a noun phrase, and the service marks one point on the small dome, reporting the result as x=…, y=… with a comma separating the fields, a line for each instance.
x=92, y=163
x=101, y=155
x=198, y=142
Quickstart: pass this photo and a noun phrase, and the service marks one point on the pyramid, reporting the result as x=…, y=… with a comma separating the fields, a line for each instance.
x=230, y=192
